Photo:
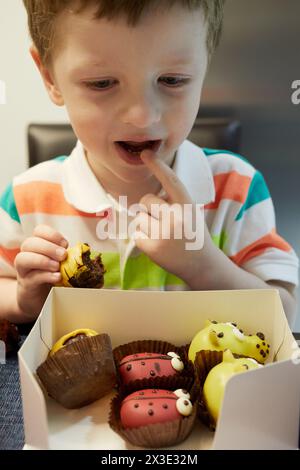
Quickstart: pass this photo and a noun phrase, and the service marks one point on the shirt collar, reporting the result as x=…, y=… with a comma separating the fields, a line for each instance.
x=83, y=191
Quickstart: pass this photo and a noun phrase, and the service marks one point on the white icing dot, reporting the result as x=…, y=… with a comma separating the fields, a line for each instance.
x=180, y=393
x=173, y=354
x=184, y=406
x=177, y=364
x=238, y=334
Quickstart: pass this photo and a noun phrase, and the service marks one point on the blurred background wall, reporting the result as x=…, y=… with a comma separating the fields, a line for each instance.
x=251, y=75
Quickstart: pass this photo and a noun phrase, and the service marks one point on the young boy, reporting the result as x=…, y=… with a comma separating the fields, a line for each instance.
x=130, y=75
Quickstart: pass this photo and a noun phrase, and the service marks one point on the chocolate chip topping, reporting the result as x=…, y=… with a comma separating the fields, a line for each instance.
x=246, y=366
x=136, y=405
x=257, y=346
x=165, y=406
x=234, y=324
x=261, y=336
x=186, y=402
x=129, y=367
x=150, y=403
x=143, y=363
x=150, y=412
x=152, y=373
x=220, y=335
x=214, y=321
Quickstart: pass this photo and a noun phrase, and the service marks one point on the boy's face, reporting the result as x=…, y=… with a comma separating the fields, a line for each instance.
x=122, y=83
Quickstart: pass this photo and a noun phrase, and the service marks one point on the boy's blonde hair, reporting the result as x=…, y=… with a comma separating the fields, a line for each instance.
x=43, y=14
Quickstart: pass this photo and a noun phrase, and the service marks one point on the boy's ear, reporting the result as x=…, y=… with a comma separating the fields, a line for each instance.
x=51, y=86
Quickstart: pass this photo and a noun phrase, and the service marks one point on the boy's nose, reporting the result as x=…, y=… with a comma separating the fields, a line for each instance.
x=141, y=112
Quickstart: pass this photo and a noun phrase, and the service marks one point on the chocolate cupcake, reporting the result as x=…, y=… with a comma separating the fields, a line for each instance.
x=82, y=268
x=79, y=369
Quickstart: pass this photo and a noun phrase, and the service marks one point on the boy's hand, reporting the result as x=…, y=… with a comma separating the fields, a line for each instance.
x=37, y=268
x=171, y=254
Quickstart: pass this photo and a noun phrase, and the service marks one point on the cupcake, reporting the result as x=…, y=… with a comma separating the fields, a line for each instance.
x=217, y=378
x=153, y=417
x=82, y=268
x=79, y=369
x=221, y=336
x=147, y=363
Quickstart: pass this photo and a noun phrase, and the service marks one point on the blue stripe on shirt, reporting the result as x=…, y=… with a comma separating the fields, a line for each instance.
x=7, y=203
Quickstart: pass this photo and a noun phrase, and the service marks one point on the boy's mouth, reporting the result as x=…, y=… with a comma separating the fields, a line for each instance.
x=130, y=151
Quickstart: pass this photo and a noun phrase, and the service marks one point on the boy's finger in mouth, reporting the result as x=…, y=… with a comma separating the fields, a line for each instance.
x=130, y=150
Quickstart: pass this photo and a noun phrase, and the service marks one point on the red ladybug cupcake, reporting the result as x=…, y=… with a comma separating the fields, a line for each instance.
x=149, y=365
x=153, y=406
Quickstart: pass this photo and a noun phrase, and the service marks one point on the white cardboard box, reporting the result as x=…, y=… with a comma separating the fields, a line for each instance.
x=260, y=408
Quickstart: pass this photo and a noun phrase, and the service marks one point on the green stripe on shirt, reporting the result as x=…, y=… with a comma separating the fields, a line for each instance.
x=8, y=204
x=60, y=159
x=142, y=273
x=112, y=277
x=258, y=192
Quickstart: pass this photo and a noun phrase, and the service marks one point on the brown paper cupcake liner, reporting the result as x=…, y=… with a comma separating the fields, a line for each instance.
x=205, y=360
x=152, y=346
x=156, y=435
x=173, y=382
x=80, y=372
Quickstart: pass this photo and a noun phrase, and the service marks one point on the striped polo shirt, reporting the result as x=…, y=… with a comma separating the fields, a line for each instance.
x=65, y=194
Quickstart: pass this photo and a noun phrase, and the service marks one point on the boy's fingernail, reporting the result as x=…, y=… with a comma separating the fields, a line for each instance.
x=64, y=243
x=56, y=277
x=60, y=252
x=54, y=265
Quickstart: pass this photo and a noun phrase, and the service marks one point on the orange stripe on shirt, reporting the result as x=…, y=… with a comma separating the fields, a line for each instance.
x=231, y=186
x=9, y=254
x=44, y=197
x=271, y=240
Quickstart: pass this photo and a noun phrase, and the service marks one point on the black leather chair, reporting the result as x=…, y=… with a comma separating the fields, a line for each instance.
x=46, y=141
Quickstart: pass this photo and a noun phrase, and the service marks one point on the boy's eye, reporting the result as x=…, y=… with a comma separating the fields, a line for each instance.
x=174, y=82
x=105, y=84
x=101, y=84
